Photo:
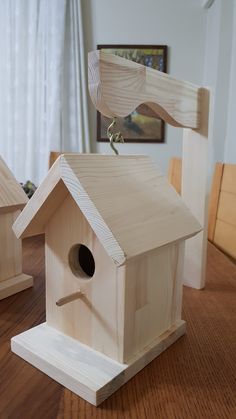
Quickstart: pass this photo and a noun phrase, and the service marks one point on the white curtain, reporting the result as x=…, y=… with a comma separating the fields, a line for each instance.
x=43, y=94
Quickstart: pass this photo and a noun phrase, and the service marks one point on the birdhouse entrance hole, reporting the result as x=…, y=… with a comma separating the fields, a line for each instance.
x=81, y=261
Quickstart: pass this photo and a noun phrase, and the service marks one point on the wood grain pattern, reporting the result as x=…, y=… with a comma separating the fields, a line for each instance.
x=195, y=378
x=118, y=86
x=128, y=203
x=222, y=223
x=12, y=280
x=175, y=173
x=53, y=157
x=228, y=180
x=214, y=199
x=86, y=372
x=225, y=237
x=153, y=296
x=150, y=285
x=15, y=284
x=91, y=319
x=11, y=253
x=194, y=191
x=12, y=195
x=12, y=200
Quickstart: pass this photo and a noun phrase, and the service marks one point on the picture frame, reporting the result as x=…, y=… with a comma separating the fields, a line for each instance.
x=142, y=125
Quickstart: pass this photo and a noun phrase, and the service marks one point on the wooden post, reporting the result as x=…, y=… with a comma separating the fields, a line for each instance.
x=117, y=86
x=195, y=193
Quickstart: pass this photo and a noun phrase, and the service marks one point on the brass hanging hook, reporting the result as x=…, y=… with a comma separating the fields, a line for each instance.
x=114, y=137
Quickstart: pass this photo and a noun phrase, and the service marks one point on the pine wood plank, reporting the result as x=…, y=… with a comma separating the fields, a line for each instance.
x=222, y=223
x=227, y=208
x=12, y=195
x=195, y=191
x=117, y=86
x=225, y=237
x=153, y=290
x=92, y=319
x=128, y=203
x=53, y=157
x=16, y=284
x=11, y=249
x=87, y=373
x=228, y=181
x=214, y=199
x=175, y=173
x=32, y=222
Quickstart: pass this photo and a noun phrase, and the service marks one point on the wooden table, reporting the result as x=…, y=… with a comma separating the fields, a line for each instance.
x=195, y=378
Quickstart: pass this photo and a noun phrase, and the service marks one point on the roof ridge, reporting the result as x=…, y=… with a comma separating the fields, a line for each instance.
x=91, y=213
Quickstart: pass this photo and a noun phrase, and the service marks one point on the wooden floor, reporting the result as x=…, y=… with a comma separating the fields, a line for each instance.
x=195, y=378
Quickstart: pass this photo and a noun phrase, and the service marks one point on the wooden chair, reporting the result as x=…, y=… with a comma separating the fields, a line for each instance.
x=222, y=203
x=53, y=156
x=175, y=173
x=222, y=209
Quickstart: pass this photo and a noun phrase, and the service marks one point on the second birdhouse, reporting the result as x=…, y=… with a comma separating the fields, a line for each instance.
x=114, y=231
x=12, y=200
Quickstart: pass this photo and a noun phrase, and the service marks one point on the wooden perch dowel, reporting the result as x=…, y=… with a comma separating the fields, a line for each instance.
x=69, y=298
x=118, y=86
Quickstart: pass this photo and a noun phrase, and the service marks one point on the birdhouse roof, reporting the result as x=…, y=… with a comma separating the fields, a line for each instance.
x=129, y=205
x=12, y=195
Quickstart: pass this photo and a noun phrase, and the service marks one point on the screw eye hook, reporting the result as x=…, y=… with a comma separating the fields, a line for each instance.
x=115, y=137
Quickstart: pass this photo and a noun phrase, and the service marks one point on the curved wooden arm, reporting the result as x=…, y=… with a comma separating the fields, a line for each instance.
x=118, y=86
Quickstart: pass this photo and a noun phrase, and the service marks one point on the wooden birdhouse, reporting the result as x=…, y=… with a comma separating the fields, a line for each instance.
x=12, y=200
x=115, y=232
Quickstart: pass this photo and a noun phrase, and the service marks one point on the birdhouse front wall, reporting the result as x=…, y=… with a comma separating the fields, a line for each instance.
x=11, y=248
x=95, y=319
x=153, y=296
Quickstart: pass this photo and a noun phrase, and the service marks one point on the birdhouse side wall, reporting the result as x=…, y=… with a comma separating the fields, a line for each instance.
x=153, y=296
x=96, y=318
x=11, y=247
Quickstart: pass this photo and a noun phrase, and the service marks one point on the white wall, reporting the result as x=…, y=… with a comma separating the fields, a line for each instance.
x=230, y=142
x=180, y=24
x=218, y=70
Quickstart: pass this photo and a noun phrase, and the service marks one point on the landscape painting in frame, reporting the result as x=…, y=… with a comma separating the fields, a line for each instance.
x=142, y=125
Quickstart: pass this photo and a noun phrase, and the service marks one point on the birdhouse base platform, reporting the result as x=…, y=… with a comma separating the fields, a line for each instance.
x=16, y=284
x=88, y=373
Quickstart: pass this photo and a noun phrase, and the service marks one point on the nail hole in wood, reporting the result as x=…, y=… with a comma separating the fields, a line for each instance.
x=81, y=261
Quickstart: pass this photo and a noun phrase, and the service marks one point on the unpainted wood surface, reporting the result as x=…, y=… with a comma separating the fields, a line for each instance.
x=118, y=86
x=175, y=173
x=148, y=286
x=96, y=318
x=194, y=191
x=153, y=290
x=12, y=195
x=53, y=157
x=15, y=284
x=223, y=218
x=128, y=203
x=86, y=372
x=193, y=379
x=214, y=199
x=42, y=206
x=12, y=280
x=11, y=252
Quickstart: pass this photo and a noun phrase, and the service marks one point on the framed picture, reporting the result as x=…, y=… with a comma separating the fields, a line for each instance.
x=142, y=125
